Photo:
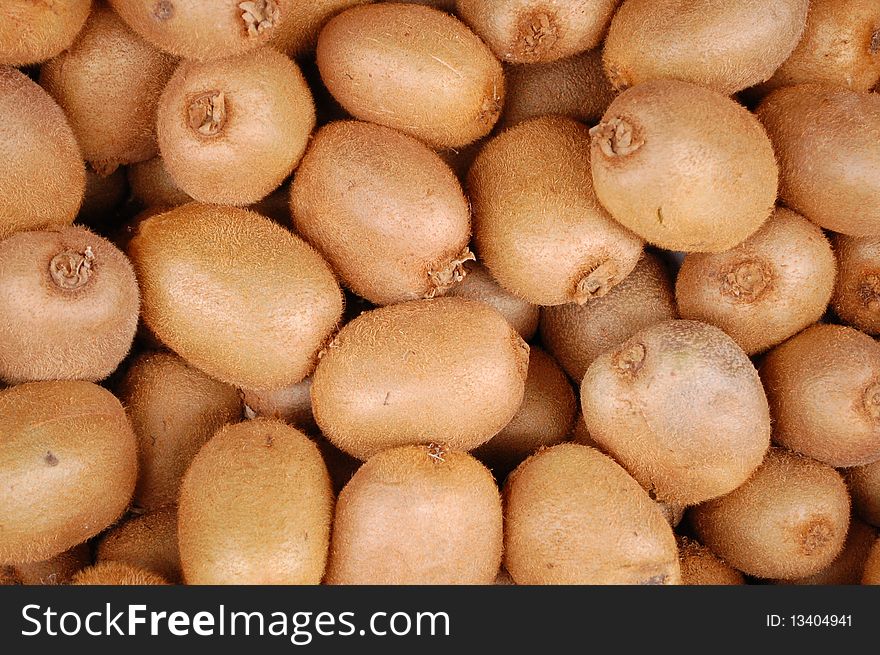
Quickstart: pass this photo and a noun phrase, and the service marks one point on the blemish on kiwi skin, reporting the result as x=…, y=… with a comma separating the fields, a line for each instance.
x=259, y=15
x=437, y=453
x=597, y=282
x=814, y=535
x=207, y=113
x=270, y=439
x=875, y=42
x=452, y=273
x=71, y=270
x=868, y=292
x=747, y=280
x=50, y=459
x=616, y=138
x=537, y=33
x=491, y=108
x=659, y=579
x=163, y=10
x=628, y=360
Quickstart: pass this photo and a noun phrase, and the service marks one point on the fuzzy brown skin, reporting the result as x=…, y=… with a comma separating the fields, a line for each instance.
x=726, y=45
x=53, y=571
x=152, y=186
x=104, y=195
x=684, y=167
x=42, y=176
x=69, y=454
x=174, y=409
x=576, y=87
x=147, y=542
x=384, y=210
x=117, y=574
x=857, y=292
x=297, y=34
x=848, y=567
x=531, y=31
x=577, y=334
x=68, y=306
x=839, y=47
x=681, y=407
x=767, y=289
x=204, y=269
x=291, y=404
x=108, y=83
x=538, y=226
x=417, y=515
x=700, y=566
x=828, y=144
x=231, y=131
x=871, y=574
x=255, y=508
x=864, y=486
x=573, y=516
x=412, y=68
x=824, y=391
x=788, y=521
x=31, y=32
x=447, y=370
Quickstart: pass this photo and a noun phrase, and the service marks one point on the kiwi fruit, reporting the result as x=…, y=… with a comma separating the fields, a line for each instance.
x=848, y=567
x=235, y=527
x=765, y=290
x=700, y=566
x=826, y=140
x=417, y=515
x=31, y=32
x=864, y=486
x=174, y=409
x=529, y=31
x=152, y=185
x=576, y=87
x=681, y=407
x=230, y=131
x=824, y=395
x=684, y=167
x=199, y=267
x=117, y=574
x=68, y=306
x=538, y=226
x=857, y=293
x=297, y=34
x=70, y=445
x=577, y=334
x=413, y=68
x=386, y=212
x=291, y=404
x=53, y=571
x=726, y=45
x=871, y=574
x=446, y=370
x=108, y=83
x=789, y=520
x=42, y=176
x=146, y=541
x=104, y=195
x=574, y=516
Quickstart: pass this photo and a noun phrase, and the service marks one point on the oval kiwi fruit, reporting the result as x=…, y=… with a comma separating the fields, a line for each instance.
x=789, y=520
x=147, y=541
x=291, y=404
x=297, y=33
x=53, y=571
x=384, y=210
x=413, y=68
x=200, y=267
x=681, y=407
x=117, y=574
x=70, y=446
x=538, y=226
x=42, y=176
x=767, y=289
x=871, y=574
x=824, y=395
x=848, y=567
x=152, y=185
x=700, y=566
x=826, y=140
x=230, y=131
x=417, y=515
x=68, y=306
x=684, y=167
x=857, y=293
x=864, y=486
x=574, y=516
x=235, y=527
x=32, y=32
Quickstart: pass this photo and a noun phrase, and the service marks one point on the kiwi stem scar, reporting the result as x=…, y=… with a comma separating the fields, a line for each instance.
x=71, y=270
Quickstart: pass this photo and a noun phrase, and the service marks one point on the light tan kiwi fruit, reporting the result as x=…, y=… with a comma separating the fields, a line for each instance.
x=231, y=131
x=576, y=87
x=684, y=167
x=417, y=515
x=235, y=294
x=681, y=407
x=538, y=226
x=789, y=520
x=857, y=292
x=152, y=185
x=848, y=567
x=146, y=541
x=574, y=516
x=726, y=45
x=174, y=409
x=864, y=487
x=117, y=574
x=68, y=306
x=31, y=32
x=205, y=29
x=446, y=370
x=413, y=68
x=823, y=386
x=42, y=176
x=70, y=445
x=700, y=566
x=297, y=33
x=255, y=508
x=530, y=31
x=104, y=195
x=577, y=334
x=108, y=83
x=871, y=574
x=53, y=571
x=840, y=47
x=827, y=141
x=291, y=404
x=384, y=210
x=765, y=290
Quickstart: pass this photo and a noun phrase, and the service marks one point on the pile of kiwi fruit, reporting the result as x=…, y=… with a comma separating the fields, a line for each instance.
x=440, y=292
